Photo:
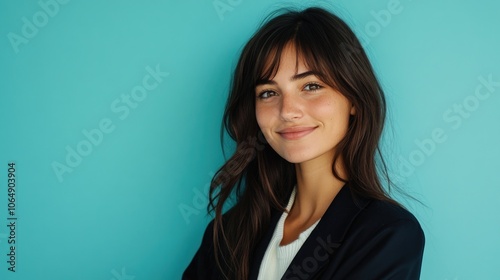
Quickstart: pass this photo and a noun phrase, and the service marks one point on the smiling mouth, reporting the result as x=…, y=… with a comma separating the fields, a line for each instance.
x=295, y=133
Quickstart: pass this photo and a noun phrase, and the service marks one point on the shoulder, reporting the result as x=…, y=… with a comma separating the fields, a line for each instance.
x=365, y=217
x=382, y=241
x=388, y=223
x=202, y=265
x=380, y=214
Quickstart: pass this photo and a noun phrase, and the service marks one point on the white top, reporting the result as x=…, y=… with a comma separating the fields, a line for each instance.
x=277, y=258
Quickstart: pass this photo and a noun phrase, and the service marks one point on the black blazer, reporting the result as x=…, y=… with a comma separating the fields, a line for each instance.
x=355, y=239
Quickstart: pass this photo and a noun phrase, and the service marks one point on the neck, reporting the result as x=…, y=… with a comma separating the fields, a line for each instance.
x=316, y=187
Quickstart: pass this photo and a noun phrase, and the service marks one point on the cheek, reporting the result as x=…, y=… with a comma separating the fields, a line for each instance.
x=335, y=111
x=324, y=108
x=262, y=116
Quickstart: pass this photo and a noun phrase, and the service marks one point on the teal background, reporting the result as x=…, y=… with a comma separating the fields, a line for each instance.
x=119, y=213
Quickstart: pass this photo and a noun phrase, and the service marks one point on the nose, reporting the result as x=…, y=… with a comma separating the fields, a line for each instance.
x=290, y=108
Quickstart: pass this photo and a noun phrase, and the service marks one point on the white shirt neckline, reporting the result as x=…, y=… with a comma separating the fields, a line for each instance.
x=277, y=258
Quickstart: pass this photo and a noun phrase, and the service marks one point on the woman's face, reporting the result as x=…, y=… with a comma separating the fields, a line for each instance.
x=301, y=117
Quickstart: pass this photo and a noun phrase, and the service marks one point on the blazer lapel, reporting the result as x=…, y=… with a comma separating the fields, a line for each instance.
x=326, y=237
x=260, y=250
x=321, y=243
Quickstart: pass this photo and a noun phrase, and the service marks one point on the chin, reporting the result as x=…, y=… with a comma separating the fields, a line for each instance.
x=295, y=157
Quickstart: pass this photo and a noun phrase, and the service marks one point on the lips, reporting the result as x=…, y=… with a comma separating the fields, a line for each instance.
x=294, y=133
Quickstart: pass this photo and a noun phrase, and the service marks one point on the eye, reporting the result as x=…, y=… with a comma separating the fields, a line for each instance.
x=266, y=94
x=312, y=87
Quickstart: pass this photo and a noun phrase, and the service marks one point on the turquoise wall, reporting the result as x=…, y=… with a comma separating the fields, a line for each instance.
x=110, y=112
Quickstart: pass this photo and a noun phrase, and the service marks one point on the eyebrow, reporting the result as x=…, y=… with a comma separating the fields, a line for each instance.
x=293, y=78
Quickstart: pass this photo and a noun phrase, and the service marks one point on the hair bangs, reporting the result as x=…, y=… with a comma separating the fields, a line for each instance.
x=309, y=50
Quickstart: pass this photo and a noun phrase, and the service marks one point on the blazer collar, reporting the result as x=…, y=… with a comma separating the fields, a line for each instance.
x=323, y=241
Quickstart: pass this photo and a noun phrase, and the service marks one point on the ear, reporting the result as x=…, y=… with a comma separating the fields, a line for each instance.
x=353, y=110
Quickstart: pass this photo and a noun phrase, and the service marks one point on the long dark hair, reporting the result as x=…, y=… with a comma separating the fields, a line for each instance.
x=255, y=175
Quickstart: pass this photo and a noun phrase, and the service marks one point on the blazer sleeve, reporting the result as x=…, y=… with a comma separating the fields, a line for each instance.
x=394, y=251
x=202, y=264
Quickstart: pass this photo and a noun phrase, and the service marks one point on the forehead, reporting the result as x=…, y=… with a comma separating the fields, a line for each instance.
x=287, y=60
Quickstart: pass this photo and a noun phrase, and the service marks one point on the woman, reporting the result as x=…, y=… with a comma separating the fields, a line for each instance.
x=307, y=113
